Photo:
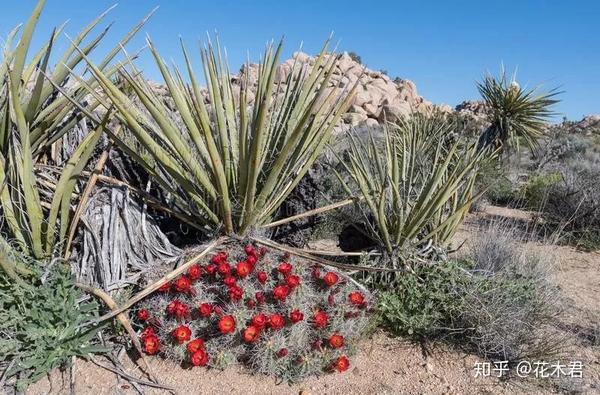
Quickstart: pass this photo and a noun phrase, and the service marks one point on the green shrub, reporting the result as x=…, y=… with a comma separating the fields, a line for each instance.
x=425, y=300
x=497, y=302
x=537, y=188
x=40, y=325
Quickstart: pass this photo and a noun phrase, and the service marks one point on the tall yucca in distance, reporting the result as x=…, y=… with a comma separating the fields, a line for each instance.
x=230, y=163
x=514, y=112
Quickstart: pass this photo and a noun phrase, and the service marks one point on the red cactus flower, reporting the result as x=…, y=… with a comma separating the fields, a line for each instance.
x=151, y=345
x=182, y=284
x=143, y=315
x=251, y=334
x=195, y=272
x=182, y=334
x=219, y=257
x=224, y=268
x=296, y=316
x=285, y=268
x=249, y=250
x=195, y=345
x=147, y=332
x=199, y=358
x=281, y=292
x=229, y=281
x=331, y=279
x=227, y=324
x=262, y=277
x=336, y=341
x=205, y=309
x=236, y=293
x=292, y=281
x=316, y=273
x=252, y=260
x=243, y=269
x=276, y=321
x=260, y=320
x=282, y=353
x=178, y=309
x=165, y=287
x=341, y=364
x=260, y=297
x=356, y=298
x=320, y=319
x=211, y=269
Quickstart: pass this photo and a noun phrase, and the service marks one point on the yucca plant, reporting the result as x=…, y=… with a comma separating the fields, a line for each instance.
x=514, y=112
x=416, y=184
x=38, y=105
x=229, y=164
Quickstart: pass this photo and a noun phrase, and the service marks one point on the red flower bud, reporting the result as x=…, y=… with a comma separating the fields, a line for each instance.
x=211, y=269
x=276, y=321
x=251, y=303
x=292, y=281
x=336, y=341
x=199, y=358
x=151, y=345
x=330, y=279
x=262, y=277
x=147, y=332
x=260, y=320
x=224, y=268
x=178, y=309
x=341, y=364
x=229, y=281
x=263, y=251
x=296, y=316
x=320, y=319
x=243, y=269
x=195, y=272
x=281, y=292
x=316, y=273
x=286, y=255
x=356, y=298
x=282, y=353
x=260, y=297
x=227, y=324
x=236, y=293
x=195, y=345
x=251, y=334
x=165, y=287
x=249, y=250
x=143, y=315
x=182, y=334
x=205, y=309
x=251, y=260
x=182, y=284
x=285, y=268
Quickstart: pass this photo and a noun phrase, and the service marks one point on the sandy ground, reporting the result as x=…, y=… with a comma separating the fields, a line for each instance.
x=386, y=365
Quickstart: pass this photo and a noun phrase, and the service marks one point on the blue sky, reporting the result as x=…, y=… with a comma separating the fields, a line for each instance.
x=443, y=46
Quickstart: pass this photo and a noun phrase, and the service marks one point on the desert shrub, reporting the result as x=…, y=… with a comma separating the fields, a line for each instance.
x=499, y=188
x=271, y=312
x=535, y=192
x=497, y=301
x=571, y=203
x=425, y=300
x=40, y=323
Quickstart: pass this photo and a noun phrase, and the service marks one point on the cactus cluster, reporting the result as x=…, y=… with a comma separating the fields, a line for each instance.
x=273, y=312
